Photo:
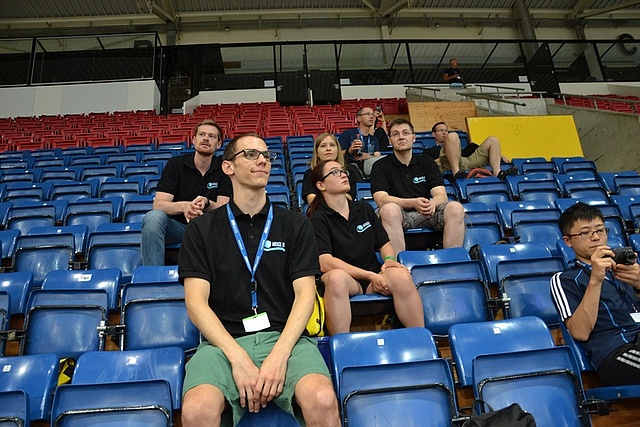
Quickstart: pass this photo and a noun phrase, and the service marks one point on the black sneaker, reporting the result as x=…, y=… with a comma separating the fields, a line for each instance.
x=511, y=171
x=460, y=175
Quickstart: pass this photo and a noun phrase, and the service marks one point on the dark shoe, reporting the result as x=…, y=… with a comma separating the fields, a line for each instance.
x=460, y=175
x=511, y=171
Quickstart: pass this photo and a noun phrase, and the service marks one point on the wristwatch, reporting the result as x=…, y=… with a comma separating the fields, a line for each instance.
x=206, y=205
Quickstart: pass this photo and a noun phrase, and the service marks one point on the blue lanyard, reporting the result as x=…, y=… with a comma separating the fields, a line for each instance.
x=245, y=256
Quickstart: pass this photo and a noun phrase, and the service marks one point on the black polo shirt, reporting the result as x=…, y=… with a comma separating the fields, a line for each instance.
x=354, y=241
x=399, y=180
x=290, y=253
x=307, y=188
x=181, y=179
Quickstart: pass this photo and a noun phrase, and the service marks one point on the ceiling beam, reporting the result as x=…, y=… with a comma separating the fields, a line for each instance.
x=604, y=10
x=395, y=8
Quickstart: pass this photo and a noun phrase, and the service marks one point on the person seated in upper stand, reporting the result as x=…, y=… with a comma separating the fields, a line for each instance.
x=359, y=144
x=190, y=185
x=450, y=157
x=410, y=192
x=452, y=75
x=326, y=147
x=598, y=299
x=348, y=234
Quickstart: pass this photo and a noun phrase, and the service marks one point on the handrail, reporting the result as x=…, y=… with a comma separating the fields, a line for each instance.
x=491, y=98
x=497, y=87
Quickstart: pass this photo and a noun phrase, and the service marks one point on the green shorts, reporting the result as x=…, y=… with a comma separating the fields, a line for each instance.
x=210, y=366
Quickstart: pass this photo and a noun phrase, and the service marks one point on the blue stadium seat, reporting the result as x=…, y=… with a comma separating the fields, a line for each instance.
x=392, y=375
x=60, y=174
x=5, y=314
x=526, y=283
x=279, y=195
x=136, y=207
x=506, y=210
x=492, y=255
x=74, y=190
x=104, y=367
x=108, y=279
x=37, y=192
x=469, y=340
x=90, y=212
x=64, y=322
x=411, y=259
x=115, y=249
x=80, y=233
x=23, y=218
x=140, y=403
x=155, y=315
x=544, y=382
x=14, y=408
x=36, y=376
x=124, y=188
x=18, y=285
x=608, y=179
x=451, y=293
x=8, y=242
x=155, y=274
x=39, y=254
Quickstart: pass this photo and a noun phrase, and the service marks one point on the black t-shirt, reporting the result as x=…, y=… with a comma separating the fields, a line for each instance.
x=354, y=241
x=290, y=253
x=433, y=152
x=415, y=180
x=453, y=71
x=181, y=179
x=307, y=188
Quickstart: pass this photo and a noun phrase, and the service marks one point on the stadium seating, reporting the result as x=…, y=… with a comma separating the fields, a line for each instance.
x=26, y=386
x=392, y=375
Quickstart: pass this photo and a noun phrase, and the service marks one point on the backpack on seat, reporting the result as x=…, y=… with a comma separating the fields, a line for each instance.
x=479, y=173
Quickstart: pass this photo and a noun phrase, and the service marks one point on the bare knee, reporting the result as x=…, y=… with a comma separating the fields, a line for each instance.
x=202, y=405
x=316, y=397
x=399, y=280
x=491, y=143
x=391, y=213
x=336, y=282
x=454, y=211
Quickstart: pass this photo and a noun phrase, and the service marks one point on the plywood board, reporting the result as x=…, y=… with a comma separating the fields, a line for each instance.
x=424, y=115
x=529, y=136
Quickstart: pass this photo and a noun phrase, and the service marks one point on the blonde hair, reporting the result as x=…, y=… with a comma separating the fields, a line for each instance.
x=315, y=160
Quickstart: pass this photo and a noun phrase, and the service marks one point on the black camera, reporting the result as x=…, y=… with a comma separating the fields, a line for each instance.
x=624, y=255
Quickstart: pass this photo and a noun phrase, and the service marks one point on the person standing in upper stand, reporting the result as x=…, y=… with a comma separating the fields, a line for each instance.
x=452, y=74
x=359, y=144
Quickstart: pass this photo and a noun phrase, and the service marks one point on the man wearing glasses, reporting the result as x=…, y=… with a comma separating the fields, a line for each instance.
x=598, y=299
x=190, y=185
x=410, y=192
x=248, y=271
x=359, y=144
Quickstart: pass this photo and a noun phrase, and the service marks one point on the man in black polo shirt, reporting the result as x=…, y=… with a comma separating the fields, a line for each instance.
x=410, y=192
x=250, y=291
x=190, y=185
x=452, y=75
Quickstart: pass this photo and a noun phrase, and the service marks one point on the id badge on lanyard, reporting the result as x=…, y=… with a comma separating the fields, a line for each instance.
x=259, y=321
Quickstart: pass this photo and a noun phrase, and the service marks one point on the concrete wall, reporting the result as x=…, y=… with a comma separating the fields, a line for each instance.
x=79, y=98
x=610, y=139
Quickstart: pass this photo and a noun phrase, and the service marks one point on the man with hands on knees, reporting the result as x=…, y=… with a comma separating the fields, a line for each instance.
x=190, y=185
x=250, y=291
x=598, y=297
x=410, y=192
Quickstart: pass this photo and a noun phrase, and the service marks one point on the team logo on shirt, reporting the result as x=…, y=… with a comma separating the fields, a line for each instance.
x=362, y=227
x=273, y=246
x=212, y=185
x=419, y=179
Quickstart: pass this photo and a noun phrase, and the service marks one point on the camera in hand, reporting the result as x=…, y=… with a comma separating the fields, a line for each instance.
x=624, y=255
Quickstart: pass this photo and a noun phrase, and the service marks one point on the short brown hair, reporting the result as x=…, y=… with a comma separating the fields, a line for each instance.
x=209, y=122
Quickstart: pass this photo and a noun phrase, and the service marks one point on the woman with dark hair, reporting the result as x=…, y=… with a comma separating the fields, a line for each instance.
x=327, y=147
x=348, y=234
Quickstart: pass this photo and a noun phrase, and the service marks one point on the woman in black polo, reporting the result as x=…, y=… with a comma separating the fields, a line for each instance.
x=348, y=234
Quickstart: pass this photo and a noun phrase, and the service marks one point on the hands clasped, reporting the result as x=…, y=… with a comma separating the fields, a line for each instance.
x=257, y=387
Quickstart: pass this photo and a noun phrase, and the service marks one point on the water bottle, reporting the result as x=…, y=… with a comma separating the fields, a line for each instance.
x=359, y=150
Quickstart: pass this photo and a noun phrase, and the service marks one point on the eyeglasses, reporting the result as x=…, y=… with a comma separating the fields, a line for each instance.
x=442, y=130
x=406, y=134
x=589, y=234
x=253, y=154
x=212, y=136
x=336, y=173
x=365, y=114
